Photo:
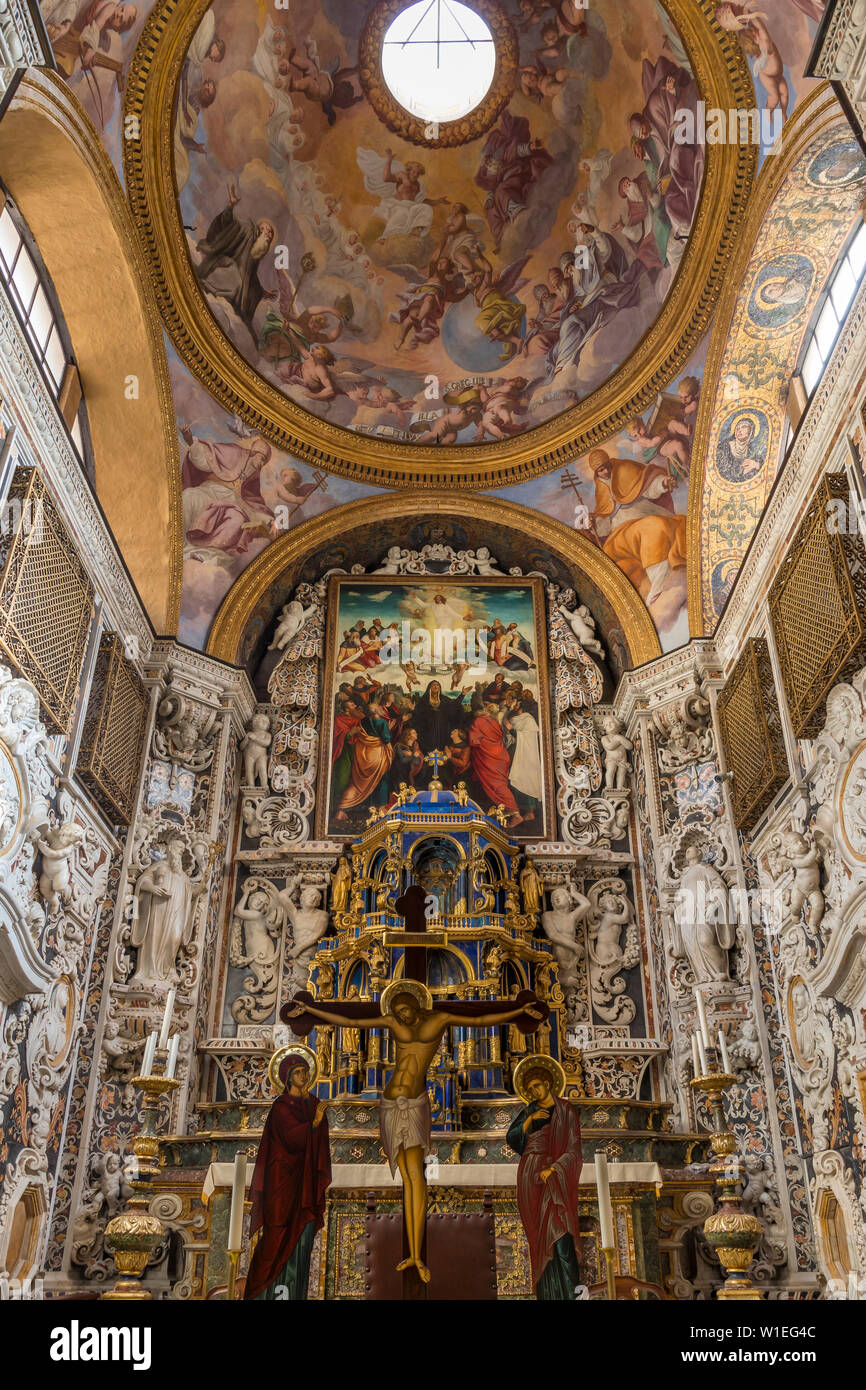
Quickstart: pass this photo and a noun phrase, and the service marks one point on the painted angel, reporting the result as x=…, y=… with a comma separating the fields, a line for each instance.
x=596, y=170
x=403, y=203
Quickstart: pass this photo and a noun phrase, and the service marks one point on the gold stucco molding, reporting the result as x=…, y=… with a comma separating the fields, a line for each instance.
x=295, y=546
x=813, y=117
x=724, y=80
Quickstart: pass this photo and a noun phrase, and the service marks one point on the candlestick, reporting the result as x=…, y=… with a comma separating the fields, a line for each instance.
x=166, y=1018
x=605, y=1210
x=171, y=1067
x=609, y=1272
x=149, y=1053
x=702, y=1020
x=732, y=1233
x=134, y=1234
x=723, y=1048
x=239, y=1192
x=234, y=1265
x=702, y=1056
x=696, y=1056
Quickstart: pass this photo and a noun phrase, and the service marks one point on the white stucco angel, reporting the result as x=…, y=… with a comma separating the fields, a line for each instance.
x=57, y=847
x=254, y=747
x=292, y=619
x=403, y=203
x=582, y=624
x=309, y=924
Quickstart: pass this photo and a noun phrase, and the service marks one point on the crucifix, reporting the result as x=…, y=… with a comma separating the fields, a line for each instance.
x=405, y=1010
x=434, y=759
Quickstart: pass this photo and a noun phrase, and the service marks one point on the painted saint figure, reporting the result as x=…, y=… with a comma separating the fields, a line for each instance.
x=546, y=1135
x=292, y=1173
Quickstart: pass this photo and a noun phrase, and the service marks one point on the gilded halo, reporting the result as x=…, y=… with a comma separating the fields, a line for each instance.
x=536, y=1062
x=292, y=1049
x=418, y=991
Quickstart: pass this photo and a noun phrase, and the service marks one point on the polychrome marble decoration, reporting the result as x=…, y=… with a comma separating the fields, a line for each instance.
x=427, y=294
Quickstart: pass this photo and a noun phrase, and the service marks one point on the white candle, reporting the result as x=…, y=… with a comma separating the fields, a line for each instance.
x=147, y=1060
x=696, y=1056
x=702, y=1019
x=239, y=1192
x=723, y=1048
x=166, y=1018
x=172, y=1057
x=702, y=1056
x=605, y=1210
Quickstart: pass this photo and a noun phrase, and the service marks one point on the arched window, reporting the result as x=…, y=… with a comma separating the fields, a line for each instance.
x=832, y=309
x=35, y=303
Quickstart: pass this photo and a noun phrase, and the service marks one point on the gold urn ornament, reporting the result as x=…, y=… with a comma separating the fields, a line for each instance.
x=132, y=1237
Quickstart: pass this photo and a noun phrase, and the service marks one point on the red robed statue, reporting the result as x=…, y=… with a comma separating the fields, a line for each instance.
x=546, y=1134
x=292, y=1173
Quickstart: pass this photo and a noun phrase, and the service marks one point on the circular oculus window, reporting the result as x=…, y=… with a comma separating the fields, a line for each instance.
x=438, y=72
x=438, y=60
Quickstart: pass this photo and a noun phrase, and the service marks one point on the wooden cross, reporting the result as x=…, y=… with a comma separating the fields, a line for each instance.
x=415, y=938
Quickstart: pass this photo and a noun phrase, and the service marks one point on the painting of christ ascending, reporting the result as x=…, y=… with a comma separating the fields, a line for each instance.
x=427, y=667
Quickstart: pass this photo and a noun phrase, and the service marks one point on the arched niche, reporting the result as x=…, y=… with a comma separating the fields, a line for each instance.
x=363, y=530
x=62, y=180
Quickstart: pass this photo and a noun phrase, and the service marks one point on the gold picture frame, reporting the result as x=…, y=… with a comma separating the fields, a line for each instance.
x=534, y=587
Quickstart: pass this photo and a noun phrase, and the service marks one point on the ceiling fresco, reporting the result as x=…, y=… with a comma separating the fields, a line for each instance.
x=630, y=498
x=422, y=300
x=239, y=494
x=505, y=313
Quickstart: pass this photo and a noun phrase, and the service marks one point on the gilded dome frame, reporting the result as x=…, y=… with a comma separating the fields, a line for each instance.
x=724, y=80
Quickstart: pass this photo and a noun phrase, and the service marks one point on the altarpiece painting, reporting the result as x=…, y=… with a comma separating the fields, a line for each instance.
x=436, y=679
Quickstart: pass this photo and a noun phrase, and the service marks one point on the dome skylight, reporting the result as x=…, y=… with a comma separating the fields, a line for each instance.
x=438, y=60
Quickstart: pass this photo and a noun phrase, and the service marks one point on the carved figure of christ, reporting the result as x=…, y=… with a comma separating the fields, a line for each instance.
x=404, y=1110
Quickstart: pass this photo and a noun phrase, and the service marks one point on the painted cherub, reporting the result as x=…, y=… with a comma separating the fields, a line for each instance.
x=254, y=746
x=57, y=849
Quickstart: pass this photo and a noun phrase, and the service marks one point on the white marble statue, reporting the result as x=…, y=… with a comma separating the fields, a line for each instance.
x=57, y=847
x=582, y=624
x=567, y=909
x=805, y=859
x=163, y=906
x=704, y=926
x=309, y=924
x=254, y=747
x=616, y=749
x=485, y=563
x=292, y=619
